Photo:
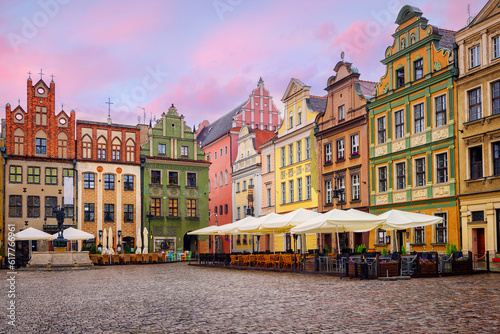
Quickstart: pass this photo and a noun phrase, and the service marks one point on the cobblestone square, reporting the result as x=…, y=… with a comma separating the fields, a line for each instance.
x=178, y=298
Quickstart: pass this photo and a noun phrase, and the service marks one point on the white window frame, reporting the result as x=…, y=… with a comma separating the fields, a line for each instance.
x=415, y=171
x=355, y=144
x=340, y=149
x=308, y=148
x=299, y=189
x=328, y=153
x=475, y=56
x=299, y=150
x=291, y=191
x=355, y=187
x=495, y=47
x=308, y=187
x=342, y=112
x=283, y=193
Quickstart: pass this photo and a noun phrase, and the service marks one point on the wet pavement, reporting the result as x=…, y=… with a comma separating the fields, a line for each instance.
x=178, y=298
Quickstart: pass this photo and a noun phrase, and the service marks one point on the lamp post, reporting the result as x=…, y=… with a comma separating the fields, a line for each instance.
x=215, y=225
x=339, y=195
x=119, y=244
x=149, y=216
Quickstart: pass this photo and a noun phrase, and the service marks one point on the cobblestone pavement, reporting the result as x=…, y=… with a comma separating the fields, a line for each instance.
x=177, y=298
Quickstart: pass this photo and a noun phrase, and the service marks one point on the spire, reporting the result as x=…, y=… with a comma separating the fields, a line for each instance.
x=194, y=128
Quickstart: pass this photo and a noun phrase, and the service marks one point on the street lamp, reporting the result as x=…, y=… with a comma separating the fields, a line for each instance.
x=149, y=216
x=338, y=193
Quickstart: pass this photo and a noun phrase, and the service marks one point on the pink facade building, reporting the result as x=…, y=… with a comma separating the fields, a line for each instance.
x=218, y=140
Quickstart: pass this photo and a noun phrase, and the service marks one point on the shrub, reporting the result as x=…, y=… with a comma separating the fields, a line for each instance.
x=384, y=251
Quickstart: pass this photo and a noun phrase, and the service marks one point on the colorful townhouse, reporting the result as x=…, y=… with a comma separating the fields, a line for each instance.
x=39, y=164
x=296, y=172
x=342, y=145
x=268, y=187
x=412, y=135
x=247, y=183
x=219, y=141
x=175, y=184
x=109, y=183
x=478, y=104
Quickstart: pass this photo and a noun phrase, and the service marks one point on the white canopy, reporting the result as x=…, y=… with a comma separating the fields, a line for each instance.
x=74, y=234
x=146, y=241
x=138, y=242
x=209, y=230
x=32, y=234
x=284, y=222
x=233, y=228
x=104, y=250
x=253, y=226
x=401, y=220
x=339, y=220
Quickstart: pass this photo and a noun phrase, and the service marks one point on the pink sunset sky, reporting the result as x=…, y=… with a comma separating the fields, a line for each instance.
x=203, y=56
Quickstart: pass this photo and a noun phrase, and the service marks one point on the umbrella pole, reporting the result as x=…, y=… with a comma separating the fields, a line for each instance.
x=338, y=241
x=274, y=246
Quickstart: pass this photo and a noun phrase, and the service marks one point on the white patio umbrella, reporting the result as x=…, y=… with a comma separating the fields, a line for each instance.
x=138, y=242
x=402, y=220
x=104, y=242
x=253, y=226
x=231, y=229
x=146, y=241
x=209, y=230
x=111, y=251
x=30, y=234
x=74, y=234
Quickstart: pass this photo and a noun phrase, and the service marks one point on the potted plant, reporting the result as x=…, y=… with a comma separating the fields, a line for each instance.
x=388, y=268
x=427, y=267
x=462, y=265
x=496, y=259
x=384, y=251
x=403, y=249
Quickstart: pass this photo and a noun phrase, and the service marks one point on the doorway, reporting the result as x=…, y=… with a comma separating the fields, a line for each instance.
x=401, y=235
x=480, y=242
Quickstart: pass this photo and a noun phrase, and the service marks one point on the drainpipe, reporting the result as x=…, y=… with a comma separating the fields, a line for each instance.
x=455, y=74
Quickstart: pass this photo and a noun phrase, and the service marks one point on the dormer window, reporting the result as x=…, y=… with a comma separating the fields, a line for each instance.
x=400, y=77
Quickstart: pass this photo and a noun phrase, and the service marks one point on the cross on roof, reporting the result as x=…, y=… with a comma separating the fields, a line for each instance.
x=29, y=74
x=109, y=103
x=52, y=76
x=41, y=74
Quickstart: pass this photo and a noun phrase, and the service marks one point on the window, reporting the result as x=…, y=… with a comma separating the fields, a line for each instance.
x=50, y=204
x=328, y=153
x=495, y=103
x=269, y=198
x=34, y=175
x=70, y=210
x=341, y=113
x=496, y=158
x=328, y=192
x=476, y=162
x=290, y=120
x=250, y=183
x=245, y=212
x=237, y=187
x=475, y=104
x=41, y=146
x=128, y=213
x=341, y=185
x=496, y=47
x=18, y=142
x=101, y=149
x=283, y=193
x=238, y=217
x=290, y=192
x=308, y=187
x=340, y=149
x=474, y=55
x=88, y=180
x=399, y=121
x=51, y=176
x=244, y=185
x=87, y=147
x=88, y=212
x=41, y=116
x=299, y=189
x=382, y=237
x=381, y=129
x=221, y=180
x=191, y=208
x=208, y=157
x=299, y=116
x=299, y=151
x=128, y=182
x=16, y=174
x=109, y=212
x=162, y=149
x=290, y=154
x=442, y=228
x=225, y=149
x=220, y=152
x=418, y=65
x=442, y=167
x=308, y=148
x=441, y=110
x=382, y=179
x=15, y=206
x=115, y=150
x=400, y=175
x=155, y=177
x=419, y=118
x=68, y=173
x=420, y=172
x=225, y=177
x=420, y=235
x=478, y=216
x=109, y=182
x=355, y=144
x=400, y=77
x=156, y=207
x=130, y=150
x=355, y=190
x=185, y=151
x=215, y=183
x=173, y=178
x=62, y=146
x=191, y=179
x=283, y=158
x=33, y=206
x=268, y=163
x=215, y=155
x=173, y=207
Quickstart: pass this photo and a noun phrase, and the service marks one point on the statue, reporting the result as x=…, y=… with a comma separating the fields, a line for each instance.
x=59, y=241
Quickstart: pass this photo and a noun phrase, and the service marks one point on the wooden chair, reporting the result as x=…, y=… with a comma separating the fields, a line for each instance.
x=234, y=260
x=105, y=259
x=138, y=258
x=115, y=259
x=154, y=257
x=260, y=262
x=252, y=260
x=246, y=261
x=287, y=261
x=275, y=259
x=126, y=258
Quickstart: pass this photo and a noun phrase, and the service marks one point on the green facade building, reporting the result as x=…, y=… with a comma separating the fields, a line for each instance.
x=175, y=184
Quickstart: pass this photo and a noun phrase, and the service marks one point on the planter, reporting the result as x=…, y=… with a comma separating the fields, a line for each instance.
x=496, y=259
x=351, y=269
x=462, y=267
x=428, y=269
x=388, y=269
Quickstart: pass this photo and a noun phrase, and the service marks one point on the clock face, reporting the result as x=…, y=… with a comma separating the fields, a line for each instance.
x=40, y=90
x=19, y=117
x=62, y=121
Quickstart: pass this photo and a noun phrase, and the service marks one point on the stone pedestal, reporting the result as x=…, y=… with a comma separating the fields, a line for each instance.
x=59, y=249
x=59, y=259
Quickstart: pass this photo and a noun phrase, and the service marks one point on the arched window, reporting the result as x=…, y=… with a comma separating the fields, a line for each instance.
x=225, y=177
x=101, y=148
x=19, y=142
x=62, y=146
x=115, y=149
x=290, y=120
x=130, y=150
x=86, y=147
x=41, y=143
x=221, y=180
x=412, y=39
